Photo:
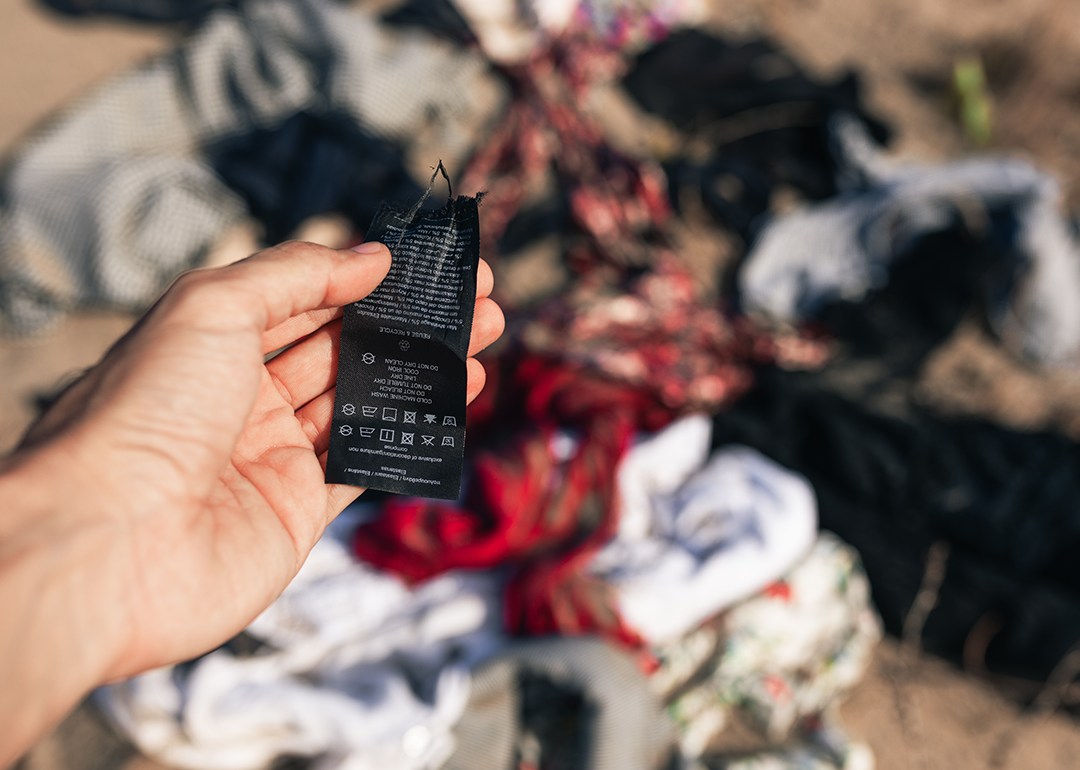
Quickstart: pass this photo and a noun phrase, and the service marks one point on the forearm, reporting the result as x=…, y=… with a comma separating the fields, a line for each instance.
x=57, y=630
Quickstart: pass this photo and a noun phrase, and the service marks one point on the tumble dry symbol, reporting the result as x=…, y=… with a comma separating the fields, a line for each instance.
x=368, y=358
x=348, y=410
x=345, y=430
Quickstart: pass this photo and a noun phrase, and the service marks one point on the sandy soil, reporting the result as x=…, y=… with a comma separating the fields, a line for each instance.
x=915, y=714
x=45, y=62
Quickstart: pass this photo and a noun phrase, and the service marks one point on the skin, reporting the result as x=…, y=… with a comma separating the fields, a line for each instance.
x=172, y=493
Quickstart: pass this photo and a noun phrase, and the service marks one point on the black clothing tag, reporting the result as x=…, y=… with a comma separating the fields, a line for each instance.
x=399, y=412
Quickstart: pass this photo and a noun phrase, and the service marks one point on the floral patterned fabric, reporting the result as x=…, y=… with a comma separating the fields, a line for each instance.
x=784, y=659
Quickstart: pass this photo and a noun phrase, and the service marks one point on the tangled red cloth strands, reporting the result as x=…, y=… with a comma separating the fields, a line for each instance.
x=619, y=204
x=614, y=356
x=602, y=372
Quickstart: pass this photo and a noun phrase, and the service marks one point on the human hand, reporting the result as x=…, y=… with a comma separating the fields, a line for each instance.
x=173, y=492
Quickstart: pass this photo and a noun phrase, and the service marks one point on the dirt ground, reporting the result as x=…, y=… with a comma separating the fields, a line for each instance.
x=916, y=713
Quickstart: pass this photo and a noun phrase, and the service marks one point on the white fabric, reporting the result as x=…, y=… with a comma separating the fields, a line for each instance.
x=693, y=540
x=361, y=671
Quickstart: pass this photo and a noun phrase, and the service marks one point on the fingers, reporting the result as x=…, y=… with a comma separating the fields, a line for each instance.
x=477, y=378
x=338, y=497
x=277, y=289
x=315, y=419
x=488, y=325
x=308, y=370
x=485, y=280
x=299, y=326
x=316, y=414
x=305, y=374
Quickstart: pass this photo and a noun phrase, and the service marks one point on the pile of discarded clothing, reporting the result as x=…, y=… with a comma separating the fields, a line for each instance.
x=355, y=667
x=675, y=520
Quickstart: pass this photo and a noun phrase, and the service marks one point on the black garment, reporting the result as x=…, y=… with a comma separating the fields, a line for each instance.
x=153, y=11
x=313, y=164
x=763, y=119
x=1008, y=502
x=945, y=276
x=438, y=16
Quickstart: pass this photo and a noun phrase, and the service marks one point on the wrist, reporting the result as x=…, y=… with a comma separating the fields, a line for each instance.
x=59, y=638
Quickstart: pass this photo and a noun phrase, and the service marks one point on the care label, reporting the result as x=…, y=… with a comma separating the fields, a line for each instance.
x=399, y=412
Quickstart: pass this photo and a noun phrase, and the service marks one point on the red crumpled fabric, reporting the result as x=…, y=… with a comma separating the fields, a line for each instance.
x=620, y=205
x=654, y=334
x=527, y=506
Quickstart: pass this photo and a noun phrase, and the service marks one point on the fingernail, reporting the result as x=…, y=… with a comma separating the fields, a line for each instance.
x=370, y=247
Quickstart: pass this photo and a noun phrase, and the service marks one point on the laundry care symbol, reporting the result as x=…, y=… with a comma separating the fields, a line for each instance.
x=348, y=410
x=407, y=438
x=430, y=419
x=369, y=411
x=345, y=430
x=368, y=358
x=448, y=420
x=410, y=417
x=427, y=440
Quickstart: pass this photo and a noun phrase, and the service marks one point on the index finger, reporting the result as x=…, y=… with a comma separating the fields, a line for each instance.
x=300, y=326
x=270, y=288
